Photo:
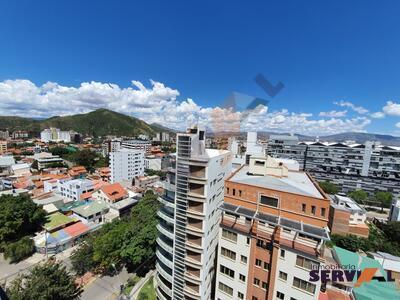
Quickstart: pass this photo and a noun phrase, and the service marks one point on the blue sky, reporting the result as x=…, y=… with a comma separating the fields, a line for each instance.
x=198, y=52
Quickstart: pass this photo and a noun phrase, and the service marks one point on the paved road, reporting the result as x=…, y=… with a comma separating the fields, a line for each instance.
x=106, y=287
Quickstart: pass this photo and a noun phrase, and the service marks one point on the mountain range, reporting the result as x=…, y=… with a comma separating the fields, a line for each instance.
x=102, y=122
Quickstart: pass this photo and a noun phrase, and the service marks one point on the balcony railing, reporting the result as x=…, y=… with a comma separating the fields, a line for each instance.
x=166, y=217
x=164, y=245
x=165, y=231
x=164, y=259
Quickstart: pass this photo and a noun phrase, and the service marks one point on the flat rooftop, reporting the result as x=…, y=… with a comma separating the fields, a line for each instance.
x=296, y=182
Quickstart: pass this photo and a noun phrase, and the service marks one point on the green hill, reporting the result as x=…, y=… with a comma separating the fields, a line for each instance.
x=99, y=122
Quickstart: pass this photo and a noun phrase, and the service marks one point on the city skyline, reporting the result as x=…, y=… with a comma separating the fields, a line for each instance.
x=167, y=65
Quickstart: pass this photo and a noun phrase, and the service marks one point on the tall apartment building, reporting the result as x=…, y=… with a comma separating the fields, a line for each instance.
x=55, y=135
x=110, y=146
x=4, y=134
x=137, y=145
x=368, y=166
x=272, y=232
x=188, y=228
x=125, y=164
x=394, y=214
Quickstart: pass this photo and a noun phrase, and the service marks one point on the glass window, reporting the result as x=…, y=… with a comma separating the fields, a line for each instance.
x=242, y=277
x=256, y=281
x=240, y=295
x=282, y=253
x=228, y=253
x=258, y=262
x=229, y=235
x=283, y=275
x=227, y=271
x=224, y=288
x=304, y=285
x=243, y=259
x=306, y=263
x=270, y=201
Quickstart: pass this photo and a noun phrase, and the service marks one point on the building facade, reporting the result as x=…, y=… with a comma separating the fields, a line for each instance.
x=272, y=233
x=125, y=164
x=370, y=166
x=55, y=135
x=189, y=223
x=137, y=145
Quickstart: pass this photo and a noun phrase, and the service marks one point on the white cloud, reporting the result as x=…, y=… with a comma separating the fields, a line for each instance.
x=333, y=114
x=392, y=108
x=158, y=103
x=378, y=115
x=359, y=109
x=398, y=124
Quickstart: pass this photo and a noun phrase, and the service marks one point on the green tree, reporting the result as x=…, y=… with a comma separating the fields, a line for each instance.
x=329, y=187
x=82, y=258
x=384, y=198
x=60, y=151
x=35, y=165
x=49, y=281
x=86, y=158
x=392, y=231
x=140, y=239
x=15, y=252
x=19, y=216
x=359, y=195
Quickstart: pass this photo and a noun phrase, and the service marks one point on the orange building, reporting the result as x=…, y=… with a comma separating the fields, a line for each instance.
x=272, y=232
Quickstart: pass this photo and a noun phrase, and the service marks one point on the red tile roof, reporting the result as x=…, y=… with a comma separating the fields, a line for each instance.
x=114, y=191
x=76, y=229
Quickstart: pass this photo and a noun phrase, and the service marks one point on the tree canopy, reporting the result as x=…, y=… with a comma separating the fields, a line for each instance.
x=126, y=242
x=19, y=216
x=45, y=281
x=359, y=195
x=329, y=187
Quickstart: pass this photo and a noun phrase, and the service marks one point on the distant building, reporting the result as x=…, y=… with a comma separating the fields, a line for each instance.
x=4, y=135
x=45, y=161
x=394, y=214
x=347, y=217
x=126, y=164
x=370, y=166
x=55, y=135
x=152, y=162
x=3, y=147
x=145, y=181
x=20, y=134
x=77, y=172
x=110, y=146
x=137, y=145
x=74, y=189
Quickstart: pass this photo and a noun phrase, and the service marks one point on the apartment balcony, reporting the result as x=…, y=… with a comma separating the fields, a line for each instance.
x=167, y=231
x=197, y=172
x=163, y=286
x=192, y=274
x=192, y=290
x=195, y=209
x=166, y=216
x=161, y=241
x=162, y=255
x=193, y=259
x=194, y=242
x=168, y=202
x=195, y=226
x=196, y=189
x=160, y=295
x=164, y=273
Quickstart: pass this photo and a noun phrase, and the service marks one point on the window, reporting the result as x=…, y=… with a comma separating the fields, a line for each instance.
x=228, y=253
x=264, y=285
x=226, y=289
x=270, y=201
x=240, y=295
x=282, y=253
x=303, y=207
x=306, y=263
x=256, y=281
x=248, y=241
x=280, y=296
x=304, y=285
x=227, y=190
x=240, y=193
x=323, y=211
x=242, y=277
x=233, y=192
x=266, y=265
x=229, y=235
x=282, y=275
x=254, y=298
x=313, y=209
x=243, y=259
x=258, y=262
x=226, y=271
x=259, y=163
